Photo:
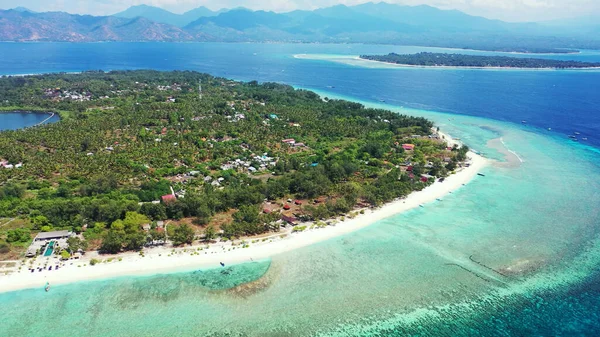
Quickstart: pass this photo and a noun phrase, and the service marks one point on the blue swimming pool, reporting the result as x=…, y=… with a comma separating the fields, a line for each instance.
x=49, y=249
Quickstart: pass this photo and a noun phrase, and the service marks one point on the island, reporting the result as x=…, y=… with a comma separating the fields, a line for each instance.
x=144, y=160
x=426, y=59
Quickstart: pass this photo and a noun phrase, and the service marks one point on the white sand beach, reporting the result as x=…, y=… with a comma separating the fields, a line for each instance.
x=164, y=260
x=361, y=62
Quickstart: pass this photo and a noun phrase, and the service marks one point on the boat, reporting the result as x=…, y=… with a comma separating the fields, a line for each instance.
x=481, y=174
x=584, y=138
x=382, y=100
x=330, y=86
x=421, y=205
x=438, y=199
x=549, y=129
x=574, y=139
x=47, y=287
x=524, y=122
x=571, y=136
x=577, y=133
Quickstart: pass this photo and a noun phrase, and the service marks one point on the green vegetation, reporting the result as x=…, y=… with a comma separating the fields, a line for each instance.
x=129, y=137
x=476, y=61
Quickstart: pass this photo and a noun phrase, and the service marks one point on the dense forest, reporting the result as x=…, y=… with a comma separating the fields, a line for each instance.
x=135, y=148
x=478, y=61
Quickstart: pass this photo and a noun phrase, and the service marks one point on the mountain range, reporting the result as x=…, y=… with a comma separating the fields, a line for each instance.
x=366, y=23
x=164, y=16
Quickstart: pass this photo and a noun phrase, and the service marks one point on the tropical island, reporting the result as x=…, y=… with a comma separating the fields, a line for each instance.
x=427, y=59
x=146, y=159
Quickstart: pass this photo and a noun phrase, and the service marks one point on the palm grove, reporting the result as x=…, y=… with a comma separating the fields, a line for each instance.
x=128, y=138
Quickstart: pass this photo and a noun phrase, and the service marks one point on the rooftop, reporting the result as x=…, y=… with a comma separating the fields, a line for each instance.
x=52, y=235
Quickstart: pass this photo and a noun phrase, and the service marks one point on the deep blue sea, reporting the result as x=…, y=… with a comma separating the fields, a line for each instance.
x=537, y=222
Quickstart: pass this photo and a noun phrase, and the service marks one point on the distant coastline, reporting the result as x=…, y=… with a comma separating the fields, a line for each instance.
x=460, y=61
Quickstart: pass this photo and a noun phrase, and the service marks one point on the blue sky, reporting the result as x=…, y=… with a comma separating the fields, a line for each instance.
x=509, y=10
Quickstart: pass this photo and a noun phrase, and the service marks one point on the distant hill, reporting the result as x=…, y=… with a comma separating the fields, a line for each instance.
x=160, y=15
x=23, y=9
x=60, y=26
x=380, y=23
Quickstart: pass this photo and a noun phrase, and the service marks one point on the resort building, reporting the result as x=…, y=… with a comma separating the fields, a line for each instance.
x=56, y=235
x=46, y=243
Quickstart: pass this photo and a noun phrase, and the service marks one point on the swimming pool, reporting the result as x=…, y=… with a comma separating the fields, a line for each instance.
x=49, y=249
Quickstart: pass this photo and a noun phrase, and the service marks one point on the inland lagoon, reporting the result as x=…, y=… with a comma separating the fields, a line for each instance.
x=13, y=120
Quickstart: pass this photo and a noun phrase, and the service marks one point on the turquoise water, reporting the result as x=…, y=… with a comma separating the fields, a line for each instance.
x=49, y=249
x=513, y=253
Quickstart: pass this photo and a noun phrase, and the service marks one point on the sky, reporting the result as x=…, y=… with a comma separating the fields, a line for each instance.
x=507, y=10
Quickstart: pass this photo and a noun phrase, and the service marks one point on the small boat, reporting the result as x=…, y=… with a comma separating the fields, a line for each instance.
x=549, y=129
x=577, y=133
x=438, y=199
x=584, y=138
x=524, y=122
x=330, y=86
x=382, y=100
x=571, y=136
x=481, y=174
x=47, y=287
x=421, y=205
x=574, y=139
x=222, y=264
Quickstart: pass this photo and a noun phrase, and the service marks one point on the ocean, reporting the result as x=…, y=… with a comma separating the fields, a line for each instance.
x=513, y=253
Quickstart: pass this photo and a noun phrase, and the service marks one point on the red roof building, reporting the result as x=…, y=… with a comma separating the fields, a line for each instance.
x=289, y=219
x=408, y=147
x=298, y=202
x=168, y=198
x=287, y=207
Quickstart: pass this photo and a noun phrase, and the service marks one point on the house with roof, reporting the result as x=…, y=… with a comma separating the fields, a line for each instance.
x=408, y=147
x=56, y=235
x=168, y=198
x=289, y=219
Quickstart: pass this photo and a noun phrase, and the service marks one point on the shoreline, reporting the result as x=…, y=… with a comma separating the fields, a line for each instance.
x=348, y=58
x=161, y=260
x=358, y=58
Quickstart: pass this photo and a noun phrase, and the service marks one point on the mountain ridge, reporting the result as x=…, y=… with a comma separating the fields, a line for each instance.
x=375, y=23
